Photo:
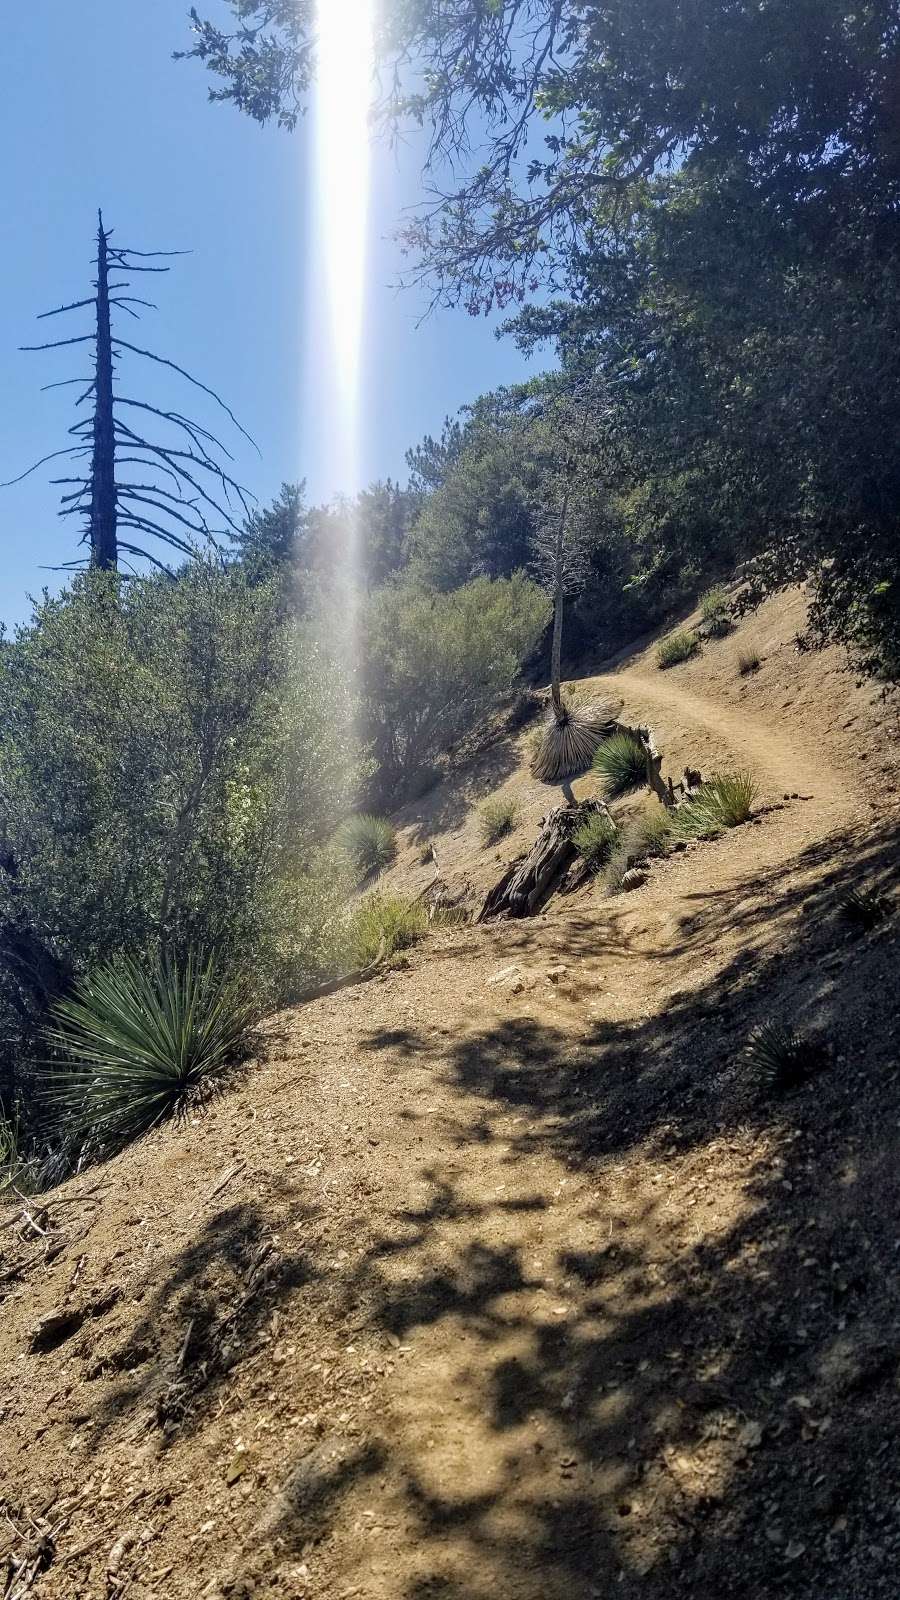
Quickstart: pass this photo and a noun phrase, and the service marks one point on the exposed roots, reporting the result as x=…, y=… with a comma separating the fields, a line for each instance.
x=568, y=746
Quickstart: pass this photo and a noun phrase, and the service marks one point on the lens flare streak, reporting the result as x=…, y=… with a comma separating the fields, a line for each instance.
x=345, y=30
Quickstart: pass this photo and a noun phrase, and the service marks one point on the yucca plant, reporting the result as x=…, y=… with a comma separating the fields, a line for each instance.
x=621, y=764
x=781, y=1057
x=369, y=843
x=679, y=646
x=724, y=801
x=497, y=817
x=138, y=1041
x=566, y=741
x=865, y=908
x=382, y=924
x=596, y=839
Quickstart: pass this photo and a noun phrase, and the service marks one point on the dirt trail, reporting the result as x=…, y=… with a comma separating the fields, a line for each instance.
x=781, y=758
x=498, y=1279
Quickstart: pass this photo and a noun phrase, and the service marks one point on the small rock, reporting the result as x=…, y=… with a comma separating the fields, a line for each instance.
x=510, y=975
x=634, y=879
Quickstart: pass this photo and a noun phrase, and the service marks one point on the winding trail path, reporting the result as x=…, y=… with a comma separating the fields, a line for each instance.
x=537, y=1258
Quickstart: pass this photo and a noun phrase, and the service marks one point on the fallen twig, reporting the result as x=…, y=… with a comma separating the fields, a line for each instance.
x=224, y=1181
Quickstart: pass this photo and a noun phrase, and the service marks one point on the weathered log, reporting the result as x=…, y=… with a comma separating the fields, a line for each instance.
x=528, y=883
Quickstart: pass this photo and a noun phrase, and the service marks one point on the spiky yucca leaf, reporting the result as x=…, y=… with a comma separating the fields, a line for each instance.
x=865, y=908
x=140, y=1040
x=369, y=843
x=782, y=1057
x=724, y=801
x=621, y=764
x=562, y=748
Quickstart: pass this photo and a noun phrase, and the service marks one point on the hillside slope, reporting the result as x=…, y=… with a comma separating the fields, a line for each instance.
x=500, y=1278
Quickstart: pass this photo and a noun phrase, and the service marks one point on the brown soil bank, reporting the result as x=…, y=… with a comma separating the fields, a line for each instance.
x=502, y=1278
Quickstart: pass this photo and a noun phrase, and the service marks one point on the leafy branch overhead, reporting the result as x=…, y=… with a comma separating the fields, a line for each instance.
x=180, y=492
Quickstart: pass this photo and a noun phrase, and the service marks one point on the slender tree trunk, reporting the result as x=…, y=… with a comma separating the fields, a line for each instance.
x=558, y=597
x=104, y=544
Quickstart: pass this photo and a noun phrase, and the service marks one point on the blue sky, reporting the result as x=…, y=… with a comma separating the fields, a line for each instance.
x=95, y=113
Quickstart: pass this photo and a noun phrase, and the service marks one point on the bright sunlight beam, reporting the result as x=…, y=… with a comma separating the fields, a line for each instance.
x=344, y=95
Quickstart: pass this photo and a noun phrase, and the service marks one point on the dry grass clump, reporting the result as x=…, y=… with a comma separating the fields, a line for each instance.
x=724, y=801
x=652, y=830
x=748, y=661
x=679, y=646
x=382, y=924
x=622, y=859
x=596, y=839
x=13, y=1167
x=621, y=764
x=497, y=817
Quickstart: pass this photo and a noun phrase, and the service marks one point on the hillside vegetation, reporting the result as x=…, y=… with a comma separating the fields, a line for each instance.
x=448, y=935
x=515, y=1270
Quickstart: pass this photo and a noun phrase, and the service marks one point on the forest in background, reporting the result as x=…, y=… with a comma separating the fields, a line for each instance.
x=708, y=247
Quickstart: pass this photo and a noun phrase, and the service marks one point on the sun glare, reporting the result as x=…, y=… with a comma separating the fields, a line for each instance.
x=344, y=93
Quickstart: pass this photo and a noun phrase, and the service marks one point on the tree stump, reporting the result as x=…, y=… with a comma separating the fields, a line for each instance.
x=528, y=883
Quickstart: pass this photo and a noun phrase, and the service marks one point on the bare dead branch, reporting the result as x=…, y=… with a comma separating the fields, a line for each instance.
x=163, y=362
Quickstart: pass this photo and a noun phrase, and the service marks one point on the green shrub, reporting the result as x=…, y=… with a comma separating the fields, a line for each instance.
x=382, y=924
x=724, y=801
x=172, y=755
x=716, y=611
x=596, y=839
x=621, y=764
x=679, y=646
x=782, y=1058
x=370, y=843
x=497, y=817
x=652, y=831
x=748, y=661
x=140, y=1041
x=432, y=664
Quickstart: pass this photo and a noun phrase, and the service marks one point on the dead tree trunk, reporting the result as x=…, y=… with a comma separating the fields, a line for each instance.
x=558, y=603
x=103, y=512
x=181, y=493
x=527, y=885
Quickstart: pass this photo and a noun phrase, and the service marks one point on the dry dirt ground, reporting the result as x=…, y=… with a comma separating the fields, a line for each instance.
x=500, y=1277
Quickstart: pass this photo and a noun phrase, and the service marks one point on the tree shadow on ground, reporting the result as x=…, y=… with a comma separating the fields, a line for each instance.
x=201, y=1321
x=705, y=1402
x=718, y=1410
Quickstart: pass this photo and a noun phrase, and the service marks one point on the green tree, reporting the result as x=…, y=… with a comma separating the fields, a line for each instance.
x=433, y=663
x=802, y=98
x=169, y=767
